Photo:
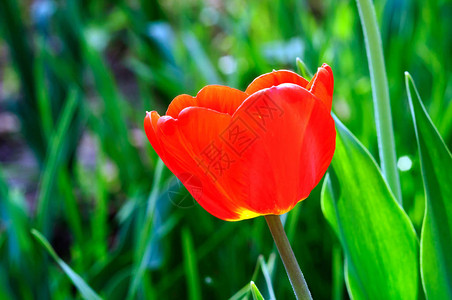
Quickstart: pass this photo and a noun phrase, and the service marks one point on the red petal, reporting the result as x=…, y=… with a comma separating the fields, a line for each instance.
x=216, y=97
x=275, y=78
x=293, y=146
x=193, y=141
x=322, y=85
x=221, y=98
x=179, y=103
x=150, y=124
x=265, y=158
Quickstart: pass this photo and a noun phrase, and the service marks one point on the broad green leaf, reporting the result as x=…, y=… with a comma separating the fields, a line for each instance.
x=378, y=239
x=436, y=235
x=255, y=292
x=84, y=289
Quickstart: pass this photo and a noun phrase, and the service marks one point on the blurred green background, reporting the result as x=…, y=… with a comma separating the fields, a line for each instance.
x=76, y=80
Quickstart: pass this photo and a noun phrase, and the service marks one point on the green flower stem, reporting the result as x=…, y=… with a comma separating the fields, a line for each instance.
x=290, y=262
x=380, y=94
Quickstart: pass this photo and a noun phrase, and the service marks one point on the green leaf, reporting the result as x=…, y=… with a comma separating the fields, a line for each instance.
x=84, y=289
x=303, y=69
x=204, y=65
x=53, y=159
x=267, y=276
x=146, y=238
x=380, y=95
x=267, y=270
x=436, y=235
x=377, y=237
x=242, y=293
x=255, y=291
x=13, y=212
x=191, y=267
x=113, y=130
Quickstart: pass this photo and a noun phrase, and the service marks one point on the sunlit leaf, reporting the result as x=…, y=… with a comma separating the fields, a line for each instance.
x=255, y=292
x=436, y=236
x=303, y=69
x=378, y=239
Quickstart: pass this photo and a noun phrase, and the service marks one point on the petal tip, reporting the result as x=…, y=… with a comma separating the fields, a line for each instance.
x=275, y=78
x=322, y=84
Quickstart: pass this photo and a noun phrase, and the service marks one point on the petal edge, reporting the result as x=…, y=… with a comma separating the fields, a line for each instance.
x=275, y=78
x=322, y=85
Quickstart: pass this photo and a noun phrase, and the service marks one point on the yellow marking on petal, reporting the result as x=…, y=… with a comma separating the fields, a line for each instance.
x=244, y=214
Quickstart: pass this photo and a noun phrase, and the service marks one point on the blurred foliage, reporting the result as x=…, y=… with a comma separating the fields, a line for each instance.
x=76, y=80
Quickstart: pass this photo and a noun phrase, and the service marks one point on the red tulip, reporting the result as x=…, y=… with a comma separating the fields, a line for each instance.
x=246, y=154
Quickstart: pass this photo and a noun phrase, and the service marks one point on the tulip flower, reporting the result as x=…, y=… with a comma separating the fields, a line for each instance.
x=253, y=153
x=246, y=154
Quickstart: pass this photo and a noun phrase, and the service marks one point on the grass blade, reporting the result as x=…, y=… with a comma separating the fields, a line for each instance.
x=202, y=62
x=303, y=69
x=146, y=237
x=42, y=93
x=191, y=268
x=380, y=95
x=267, y=276
x=255, y=292
x=85, y=290
x=52, y=159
